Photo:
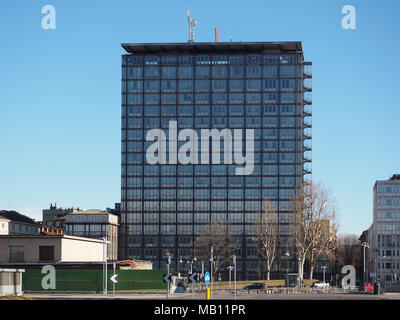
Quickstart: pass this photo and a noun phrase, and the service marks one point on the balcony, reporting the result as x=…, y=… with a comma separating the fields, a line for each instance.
x=307, y=73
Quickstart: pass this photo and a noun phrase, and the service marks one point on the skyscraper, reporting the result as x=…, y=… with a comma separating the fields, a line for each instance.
x=171, y=189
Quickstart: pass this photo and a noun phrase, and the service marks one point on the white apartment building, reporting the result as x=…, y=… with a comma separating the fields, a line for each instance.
x=384, y=233
x=97, y=224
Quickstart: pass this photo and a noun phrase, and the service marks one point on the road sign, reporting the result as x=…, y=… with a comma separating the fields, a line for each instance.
x=192, y=277
x=207, y=278
x=167, y=278
x=169, y=259
x=114, y=278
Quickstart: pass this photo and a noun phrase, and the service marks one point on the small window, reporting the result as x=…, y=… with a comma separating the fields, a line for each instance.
x=46, y=253
x=16, y=254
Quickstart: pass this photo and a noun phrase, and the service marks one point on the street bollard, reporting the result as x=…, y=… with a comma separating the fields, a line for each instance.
x=208, y=294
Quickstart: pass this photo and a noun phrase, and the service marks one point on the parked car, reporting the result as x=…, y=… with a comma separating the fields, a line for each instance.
x=320, y=285
x=367, y=287
x=255, y=286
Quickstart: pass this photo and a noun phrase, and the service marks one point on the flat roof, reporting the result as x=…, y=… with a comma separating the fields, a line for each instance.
x=90, y=211
x=55, y=236
x=212, y=47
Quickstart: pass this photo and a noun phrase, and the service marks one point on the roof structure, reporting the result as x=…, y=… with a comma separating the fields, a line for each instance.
x=4, y=218
x=17, y=217
x=91, y=211
x=216, y=47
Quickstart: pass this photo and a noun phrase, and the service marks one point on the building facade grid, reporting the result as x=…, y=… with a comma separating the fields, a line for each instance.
x=164, y=208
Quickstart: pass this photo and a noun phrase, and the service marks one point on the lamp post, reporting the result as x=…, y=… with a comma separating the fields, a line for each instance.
x=300, y=275
x=384, y=271
x=230, y=269
x=180, y=261
x=287, y=267
x=364, y=245
x=234, y=266
x=323, y=268
x=202, y=269
x=191, y=272
x=376, y=265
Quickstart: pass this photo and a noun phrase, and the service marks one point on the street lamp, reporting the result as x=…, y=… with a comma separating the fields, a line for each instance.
x=230, y=269
x=193, y=265
x=384, y=271
x=364, y=245
x=287, y=267
x=323, y=268
x=180, y=261
x=376, y=265
x=300, y=272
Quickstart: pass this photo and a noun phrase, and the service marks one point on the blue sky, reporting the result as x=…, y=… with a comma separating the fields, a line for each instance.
x=60, y=92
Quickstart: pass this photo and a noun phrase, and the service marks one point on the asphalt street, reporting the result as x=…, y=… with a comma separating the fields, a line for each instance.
x=216, y=296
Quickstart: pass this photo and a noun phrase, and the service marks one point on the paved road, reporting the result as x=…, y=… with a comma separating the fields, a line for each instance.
x=217, y=296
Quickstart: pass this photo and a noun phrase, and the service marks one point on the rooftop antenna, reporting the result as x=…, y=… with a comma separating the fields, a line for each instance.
x=217, y=34
x=191, y=22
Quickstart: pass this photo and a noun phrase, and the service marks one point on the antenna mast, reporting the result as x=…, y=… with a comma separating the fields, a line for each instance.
x=191, y=22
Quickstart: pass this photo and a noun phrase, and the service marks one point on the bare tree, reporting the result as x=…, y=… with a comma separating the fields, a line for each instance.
x=216, y=235
x=324, y=246
x=266, y=227
x=314, y=214
x=349, y=250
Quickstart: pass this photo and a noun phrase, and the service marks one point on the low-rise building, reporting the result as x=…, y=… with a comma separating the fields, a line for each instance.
x=49, y=249
x=4, y=225
x=20, y=224
x=97, y=224
x=55, y=217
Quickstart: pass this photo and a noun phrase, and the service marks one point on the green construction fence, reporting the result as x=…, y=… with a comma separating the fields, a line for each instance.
x=91, y=280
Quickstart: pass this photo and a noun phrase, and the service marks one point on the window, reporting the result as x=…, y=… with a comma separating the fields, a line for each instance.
x=151, y=86
x=219, y=71
x=168, y=86
x=219, y=98
x=253, y=85
x=218, y=85
x=185, y=72
x=16, y=254
x=135, y=72
x=168, y=72
x=46, y=253
x=202, y=72
x=151, y=72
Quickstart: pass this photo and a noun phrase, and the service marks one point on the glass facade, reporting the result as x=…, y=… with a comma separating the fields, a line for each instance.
x=166, y=206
